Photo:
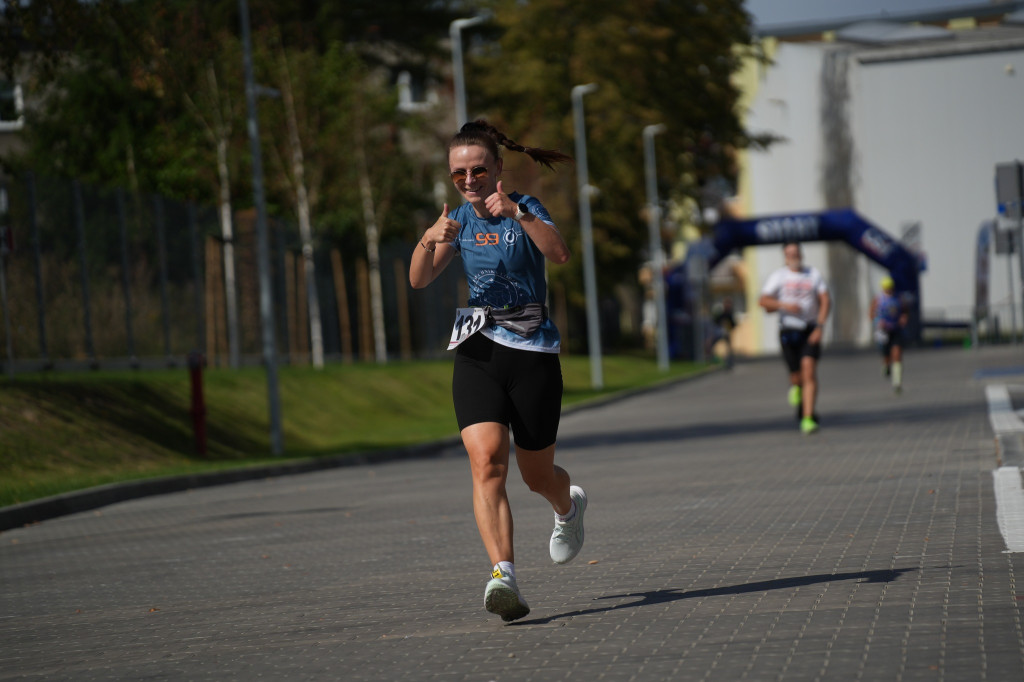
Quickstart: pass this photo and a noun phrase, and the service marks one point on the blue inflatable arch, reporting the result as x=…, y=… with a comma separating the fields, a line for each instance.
x=836, y=225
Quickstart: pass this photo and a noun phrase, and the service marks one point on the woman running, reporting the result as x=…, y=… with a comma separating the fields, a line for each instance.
x=507, y=375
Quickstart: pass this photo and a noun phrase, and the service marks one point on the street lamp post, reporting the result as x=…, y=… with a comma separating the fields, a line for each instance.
x=263, y=246
x=455, y=32
x=657, y=254
x=4, y=250
x=586, y=234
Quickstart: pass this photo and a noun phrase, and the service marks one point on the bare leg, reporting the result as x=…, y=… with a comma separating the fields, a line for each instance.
x=897, y=368
x=543, y=477
x=809, y=376
x=488, y=446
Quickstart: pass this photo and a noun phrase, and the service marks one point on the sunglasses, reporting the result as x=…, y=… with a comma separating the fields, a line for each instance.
x=459, y=176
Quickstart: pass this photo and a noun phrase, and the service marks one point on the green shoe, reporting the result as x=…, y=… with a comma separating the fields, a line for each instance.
x=808, y=426
x=794, y=396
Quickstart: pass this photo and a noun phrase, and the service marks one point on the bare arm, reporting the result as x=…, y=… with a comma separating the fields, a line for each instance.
x=434, y=251
x=772, y=304
x=769, y=303
x=547, y=237
x=824, y=305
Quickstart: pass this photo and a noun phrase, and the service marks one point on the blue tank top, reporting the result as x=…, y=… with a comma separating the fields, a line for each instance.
x=888, y=311
x=504, y=269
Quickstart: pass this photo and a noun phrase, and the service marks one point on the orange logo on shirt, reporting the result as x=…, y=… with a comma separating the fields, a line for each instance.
x=486, y=239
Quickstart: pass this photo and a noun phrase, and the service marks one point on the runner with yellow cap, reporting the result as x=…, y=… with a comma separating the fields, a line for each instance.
x=888, y=318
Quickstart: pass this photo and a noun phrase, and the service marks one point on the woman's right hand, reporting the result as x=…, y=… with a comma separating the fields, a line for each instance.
x=441, y=232
x=424, y=268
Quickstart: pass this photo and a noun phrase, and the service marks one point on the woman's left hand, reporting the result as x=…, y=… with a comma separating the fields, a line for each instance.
x=498, y=204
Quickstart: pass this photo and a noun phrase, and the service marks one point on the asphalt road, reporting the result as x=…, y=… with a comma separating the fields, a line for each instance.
x=721, y=545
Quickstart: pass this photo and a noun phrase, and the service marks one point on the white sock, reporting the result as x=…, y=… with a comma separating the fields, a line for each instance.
x=567, y=517
x=504, y=567
x=897, y=373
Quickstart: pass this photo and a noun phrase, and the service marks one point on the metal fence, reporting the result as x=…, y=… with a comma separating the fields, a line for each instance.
x=98, y=278
x=106, y=278
x=999, y=323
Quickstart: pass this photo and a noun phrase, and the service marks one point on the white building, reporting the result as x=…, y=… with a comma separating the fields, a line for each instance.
x=905, y=123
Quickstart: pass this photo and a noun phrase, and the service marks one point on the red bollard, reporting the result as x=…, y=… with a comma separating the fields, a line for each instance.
x=195, y=370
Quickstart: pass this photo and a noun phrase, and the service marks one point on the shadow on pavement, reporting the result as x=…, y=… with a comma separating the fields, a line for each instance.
x=664, y=596
x=739, y=425
x=276, y=513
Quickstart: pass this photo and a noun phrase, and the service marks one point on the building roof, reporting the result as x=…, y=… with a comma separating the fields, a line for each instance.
x=888, y=32
x=766, y=27
x=999, y=38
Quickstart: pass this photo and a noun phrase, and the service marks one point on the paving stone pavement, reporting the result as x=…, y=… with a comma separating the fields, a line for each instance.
x=721, y=545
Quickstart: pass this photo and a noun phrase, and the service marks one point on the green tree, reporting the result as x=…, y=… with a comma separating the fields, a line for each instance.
x=94, y=112
x=44, y=32
x=149, y=95
x=654, y=61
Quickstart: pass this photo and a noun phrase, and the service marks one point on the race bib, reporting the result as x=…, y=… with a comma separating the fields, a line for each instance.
x=792, y=322
x=468, y=321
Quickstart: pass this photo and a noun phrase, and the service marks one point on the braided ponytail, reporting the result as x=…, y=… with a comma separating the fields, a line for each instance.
x=483, y=134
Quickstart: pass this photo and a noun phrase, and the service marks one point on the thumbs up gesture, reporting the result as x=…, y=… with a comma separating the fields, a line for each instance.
x=444, y=230
x=499, y=203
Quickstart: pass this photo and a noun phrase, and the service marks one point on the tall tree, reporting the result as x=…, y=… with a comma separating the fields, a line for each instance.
x=315, y=90
x=100, y=110
x=654, y=61
x=147, y=93
x=335, y=161
x=44, y=33
x=200, y=62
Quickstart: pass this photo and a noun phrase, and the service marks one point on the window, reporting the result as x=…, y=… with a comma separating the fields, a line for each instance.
x=12, y=107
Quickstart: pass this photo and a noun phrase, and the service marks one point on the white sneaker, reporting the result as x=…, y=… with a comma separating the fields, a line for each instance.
x=501, y=596
x=567, y=538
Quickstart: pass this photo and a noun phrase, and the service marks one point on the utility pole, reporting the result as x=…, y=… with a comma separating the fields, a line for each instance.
x=587, y=234
x=654, y=237
x=455, y=33
x=262, y=242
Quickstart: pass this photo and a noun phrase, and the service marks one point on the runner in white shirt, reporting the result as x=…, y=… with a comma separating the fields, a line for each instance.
x=800, y=296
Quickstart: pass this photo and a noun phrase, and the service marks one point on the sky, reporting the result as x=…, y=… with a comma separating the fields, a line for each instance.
x=769, y=12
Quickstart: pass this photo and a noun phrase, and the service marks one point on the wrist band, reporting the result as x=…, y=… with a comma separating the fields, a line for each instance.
x=426, y=249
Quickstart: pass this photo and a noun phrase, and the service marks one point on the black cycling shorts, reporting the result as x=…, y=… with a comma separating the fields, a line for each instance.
x=521, y=389
x=795, y=347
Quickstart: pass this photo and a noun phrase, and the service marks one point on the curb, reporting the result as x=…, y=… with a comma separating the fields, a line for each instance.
x=64, y=504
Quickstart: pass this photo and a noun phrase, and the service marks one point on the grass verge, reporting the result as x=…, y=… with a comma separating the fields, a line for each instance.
x=65, y=432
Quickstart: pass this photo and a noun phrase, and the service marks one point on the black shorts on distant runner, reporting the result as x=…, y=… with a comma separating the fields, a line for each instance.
x=893, y=338
x=519, y=388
